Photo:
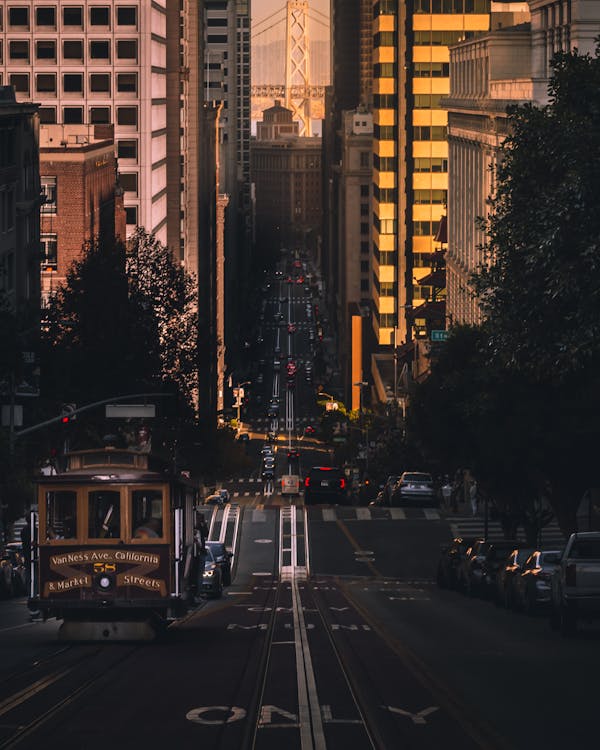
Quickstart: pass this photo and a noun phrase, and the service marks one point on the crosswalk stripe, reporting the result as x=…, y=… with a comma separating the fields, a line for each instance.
x=329, y=514
x=251, y=479
x=363, y=514
x=236, y=494
x=430, y=514
x=397, y=514
x=246, y=494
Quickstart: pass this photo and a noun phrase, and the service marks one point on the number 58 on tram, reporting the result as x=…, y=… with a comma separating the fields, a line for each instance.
x=112, y=551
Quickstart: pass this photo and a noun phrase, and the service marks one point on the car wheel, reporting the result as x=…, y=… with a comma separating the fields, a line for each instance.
x=568, y=621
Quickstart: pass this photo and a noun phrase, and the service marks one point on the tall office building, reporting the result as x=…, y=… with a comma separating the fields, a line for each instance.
x=410, y=151
x=99, y=62
x=227, y=84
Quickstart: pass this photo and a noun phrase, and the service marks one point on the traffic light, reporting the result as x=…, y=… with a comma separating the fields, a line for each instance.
x=68, y=413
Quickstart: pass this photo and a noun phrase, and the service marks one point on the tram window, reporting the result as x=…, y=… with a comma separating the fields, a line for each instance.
x=147, y=514
x=61, y=515
x=104, y=513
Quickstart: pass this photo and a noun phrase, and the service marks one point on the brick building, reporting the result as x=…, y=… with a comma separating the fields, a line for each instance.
x=82, y=198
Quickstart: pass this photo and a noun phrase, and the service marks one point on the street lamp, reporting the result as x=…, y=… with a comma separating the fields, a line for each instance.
x=364, y=427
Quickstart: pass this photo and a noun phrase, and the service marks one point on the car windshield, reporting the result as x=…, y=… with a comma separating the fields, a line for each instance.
x=417, y=478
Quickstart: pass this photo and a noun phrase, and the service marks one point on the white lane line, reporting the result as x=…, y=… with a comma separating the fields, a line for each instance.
x=397, y=514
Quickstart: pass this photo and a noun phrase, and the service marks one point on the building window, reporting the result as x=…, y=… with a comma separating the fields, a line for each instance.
x=127, y=49
x=45, y=50
x=364, y=248
x=126, y=16
x=364, y=191
x=127, y=116
x=99, y=17
x=131, y=215
x=49, y=246
x=127, y=149
x=364, y=266
x=364, y=209
x=45, y=83
x=73, y=83
x=431, y=70
x=47, y=115
x=45, y=17
x=20, y=82
x=100, y=50
x=385, y=70
x=433, y=133
x=48, y=191
x=423, y=164
x=364, y=285
x=129, y=182
x=428, y=101
x=18, y=17
x=72, y=16
x=18, y=50
x=99, y=115
x=365, y=159
x=364, y=228
x=100, y=83
x=73, y=115
x=127, y=83
x=73, y=50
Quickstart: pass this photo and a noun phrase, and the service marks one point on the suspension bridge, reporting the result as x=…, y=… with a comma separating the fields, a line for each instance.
x=290, y=62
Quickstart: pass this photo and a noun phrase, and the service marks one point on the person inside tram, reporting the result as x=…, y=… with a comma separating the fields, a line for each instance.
x=149, y=529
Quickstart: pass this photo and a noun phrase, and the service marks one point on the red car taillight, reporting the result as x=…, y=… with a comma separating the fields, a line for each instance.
x=571, y=575
x=342, y=484
x=307, y=482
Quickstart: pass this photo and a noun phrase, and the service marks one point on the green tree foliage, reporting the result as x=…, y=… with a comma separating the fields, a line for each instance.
x=540, y=287
x=517, y=400
x=124, y=322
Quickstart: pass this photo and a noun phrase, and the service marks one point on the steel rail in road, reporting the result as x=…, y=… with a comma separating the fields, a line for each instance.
x=55, y=679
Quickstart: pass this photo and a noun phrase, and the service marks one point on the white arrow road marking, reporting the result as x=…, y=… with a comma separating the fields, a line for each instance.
x=339, y=609
x=418, y=718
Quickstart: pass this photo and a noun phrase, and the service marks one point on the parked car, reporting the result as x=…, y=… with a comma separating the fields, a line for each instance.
x=532, y=588
x=507, y=573
x=222, y=557
x=414, y=487
x=470, y=569
x=212, y=579
x=451, y=558
x=493, y=561
x=576, y=583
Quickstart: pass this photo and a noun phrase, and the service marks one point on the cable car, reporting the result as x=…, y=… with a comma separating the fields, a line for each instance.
x=113, y=547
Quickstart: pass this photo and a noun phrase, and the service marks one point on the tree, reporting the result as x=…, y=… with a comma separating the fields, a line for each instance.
x=540, y=285
x=125, y=322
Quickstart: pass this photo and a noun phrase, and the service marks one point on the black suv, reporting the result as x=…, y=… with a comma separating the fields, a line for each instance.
x=325, y=484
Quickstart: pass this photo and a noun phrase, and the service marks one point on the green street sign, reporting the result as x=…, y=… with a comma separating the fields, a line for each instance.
x=439, y=335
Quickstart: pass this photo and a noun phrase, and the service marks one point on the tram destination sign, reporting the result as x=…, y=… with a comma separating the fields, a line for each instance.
x=130, y=411
x=439, y=335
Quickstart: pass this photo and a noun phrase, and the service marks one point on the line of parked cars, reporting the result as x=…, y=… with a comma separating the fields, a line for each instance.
x=12, y=571
x=563, y=583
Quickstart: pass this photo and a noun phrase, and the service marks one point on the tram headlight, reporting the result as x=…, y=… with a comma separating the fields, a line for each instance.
x=104, y=582
x=209, y=572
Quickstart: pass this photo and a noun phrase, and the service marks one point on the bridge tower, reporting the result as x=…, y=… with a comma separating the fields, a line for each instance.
x=297, y=64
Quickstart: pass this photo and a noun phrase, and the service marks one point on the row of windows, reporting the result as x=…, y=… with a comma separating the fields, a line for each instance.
x=384, y=288
x=427, y=197
x=431, y=70
x=72, y=49
x=452, y=6
x=385, y=70
x=385, y=101
x=384, y=163
x=385, y=226
x=425, y=164
x=428, y=101
x=384, y=257
x=430, y=133
x=385, y=195
x=125, y=116
x=385, y=132
x=441, y=38
x=72, y=15
x=385, y=39
x=72, y=83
